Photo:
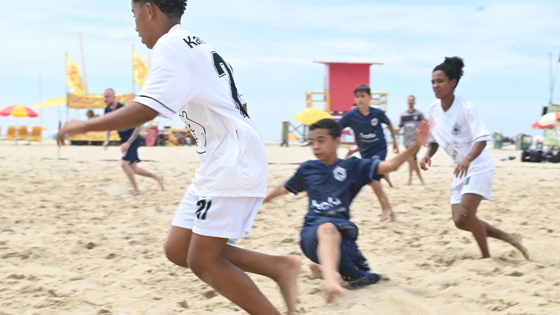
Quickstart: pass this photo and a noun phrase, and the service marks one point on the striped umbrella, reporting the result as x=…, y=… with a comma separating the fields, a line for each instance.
x=547, y=121
x=18, y=111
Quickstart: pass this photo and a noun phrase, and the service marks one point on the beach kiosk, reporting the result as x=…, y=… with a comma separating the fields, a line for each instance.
x=340, y=80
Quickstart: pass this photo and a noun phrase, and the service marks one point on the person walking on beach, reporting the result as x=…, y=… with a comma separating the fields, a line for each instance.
x=129, y=145
x=328, y=237
x=409, y=122
x=365, y=122
x=457, y=127
x=190, y=79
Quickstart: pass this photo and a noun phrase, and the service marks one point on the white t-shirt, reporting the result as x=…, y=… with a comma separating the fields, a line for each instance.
x=188, y=78
x=456, y=131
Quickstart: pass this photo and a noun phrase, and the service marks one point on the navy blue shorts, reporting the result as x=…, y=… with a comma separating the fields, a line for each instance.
x=381, y=155
x=353, y=265
x=131, y=154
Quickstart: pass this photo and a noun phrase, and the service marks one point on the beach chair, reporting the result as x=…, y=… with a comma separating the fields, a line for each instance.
x=10, y=135
x=36, y=134
x=22, y=133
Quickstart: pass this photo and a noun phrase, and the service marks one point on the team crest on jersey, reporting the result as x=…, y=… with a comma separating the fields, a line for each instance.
x=198, y=131
x=456, y=130
x=374, y=122
x=415, y=118
x=339, y=173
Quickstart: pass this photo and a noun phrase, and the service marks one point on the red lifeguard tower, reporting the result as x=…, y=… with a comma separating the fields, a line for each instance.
x=340, y=80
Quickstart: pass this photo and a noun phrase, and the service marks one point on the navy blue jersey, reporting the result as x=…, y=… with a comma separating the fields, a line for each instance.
x=124, y=134
x=331, y=189
x=367, y=130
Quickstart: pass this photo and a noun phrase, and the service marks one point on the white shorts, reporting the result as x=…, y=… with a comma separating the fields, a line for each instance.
x=223, y=217
x=478, y=184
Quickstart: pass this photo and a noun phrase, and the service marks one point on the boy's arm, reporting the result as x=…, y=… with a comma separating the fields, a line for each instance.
x=394, y=163
x=106, y=142
x=126, y=145
x=128, y=117
x=395, y=144
x=278, y=191
x=426, y=161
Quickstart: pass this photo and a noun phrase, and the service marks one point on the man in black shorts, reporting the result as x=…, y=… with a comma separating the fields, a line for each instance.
x=129, y=145
x=410, y=120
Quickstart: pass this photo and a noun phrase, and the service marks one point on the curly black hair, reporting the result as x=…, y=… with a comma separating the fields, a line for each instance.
x=171, y=8
x=452, y=67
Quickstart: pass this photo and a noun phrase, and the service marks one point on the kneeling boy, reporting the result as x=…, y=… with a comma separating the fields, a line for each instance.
x=328, y=237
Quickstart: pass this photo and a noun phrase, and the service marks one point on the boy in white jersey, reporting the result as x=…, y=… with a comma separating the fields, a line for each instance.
x=188, y=78
x=457, y=127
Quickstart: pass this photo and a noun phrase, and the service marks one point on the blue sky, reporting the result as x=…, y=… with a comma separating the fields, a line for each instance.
x=271, y=45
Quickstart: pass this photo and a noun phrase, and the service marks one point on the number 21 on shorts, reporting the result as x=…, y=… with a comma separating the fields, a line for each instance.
x=203, y=207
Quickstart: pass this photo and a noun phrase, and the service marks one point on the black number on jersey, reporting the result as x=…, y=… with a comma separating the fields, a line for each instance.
x=203, y=208
x=223, y=68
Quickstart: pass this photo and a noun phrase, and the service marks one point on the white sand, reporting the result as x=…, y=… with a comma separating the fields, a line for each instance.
x=73, y=240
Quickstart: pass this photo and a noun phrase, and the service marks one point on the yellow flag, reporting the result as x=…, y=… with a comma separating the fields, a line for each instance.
x=140, y=70
x=73, y=79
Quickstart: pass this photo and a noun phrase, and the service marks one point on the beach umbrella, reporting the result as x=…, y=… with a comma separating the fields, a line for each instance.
x=547, y=121
x=18, y=111
x=311, y=115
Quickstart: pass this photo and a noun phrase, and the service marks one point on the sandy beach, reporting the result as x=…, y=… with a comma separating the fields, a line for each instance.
x=74, y=240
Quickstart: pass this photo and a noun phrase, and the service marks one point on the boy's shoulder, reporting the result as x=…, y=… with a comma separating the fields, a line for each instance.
x=309, y=164
x=376, y=111
x=178, y=35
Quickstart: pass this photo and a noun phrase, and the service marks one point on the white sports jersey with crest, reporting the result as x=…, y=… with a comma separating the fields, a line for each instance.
x=188, y=78
x=456, y=131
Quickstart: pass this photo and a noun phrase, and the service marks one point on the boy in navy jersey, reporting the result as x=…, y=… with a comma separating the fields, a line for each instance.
x=365, y=122
x=328, y=237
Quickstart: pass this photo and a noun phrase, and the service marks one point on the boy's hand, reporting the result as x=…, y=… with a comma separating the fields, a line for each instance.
x=71, y=128
x=422, y=133
x=395, y=148
x=425, y=162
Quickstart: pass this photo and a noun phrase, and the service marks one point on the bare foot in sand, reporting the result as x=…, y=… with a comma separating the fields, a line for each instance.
x=288, y=282
x=409, y=183
x=387, y=214
x=517, y=243
x=315, y=270
x=332, y=291
x=159, y=179
x=317, y=273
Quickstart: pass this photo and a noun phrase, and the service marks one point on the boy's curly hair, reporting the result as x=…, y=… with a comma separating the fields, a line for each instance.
x=171, y=8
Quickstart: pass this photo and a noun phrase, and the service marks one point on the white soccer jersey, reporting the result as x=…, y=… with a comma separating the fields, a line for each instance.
x=188, y=78
x=456, y=131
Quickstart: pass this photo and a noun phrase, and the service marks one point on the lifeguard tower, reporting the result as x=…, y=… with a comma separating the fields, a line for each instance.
x=340, y=80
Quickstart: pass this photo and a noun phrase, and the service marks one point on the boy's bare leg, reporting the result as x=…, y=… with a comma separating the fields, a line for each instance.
x=129, y=171
x=207, y=263
x=328, y=251
x=386, y=177
x=143, y=172
x=416, y=168
x=386, y=211
x=464, y=216
x=282, y=269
